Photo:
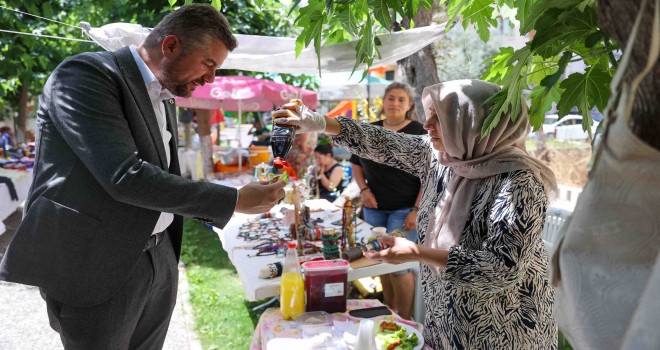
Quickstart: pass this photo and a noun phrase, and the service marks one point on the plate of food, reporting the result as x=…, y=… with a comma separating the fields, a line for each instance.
x=397, y=336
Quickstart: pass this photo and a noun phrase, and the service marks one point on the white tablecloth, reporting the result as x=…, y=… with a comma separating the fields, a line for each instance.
x=248, y=267
x=22, y=180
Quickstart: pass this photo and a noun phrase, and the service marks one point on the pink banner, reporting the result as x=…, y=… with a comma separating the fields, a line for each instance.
x=247, y=93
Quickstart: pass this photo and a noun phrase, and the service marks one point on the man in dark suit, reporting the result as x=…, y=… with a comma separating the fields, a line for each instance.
x=102, y=231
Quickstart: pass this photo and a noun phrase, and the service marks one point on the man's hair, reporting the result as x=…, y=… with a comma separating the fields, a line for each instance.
x=195, y=25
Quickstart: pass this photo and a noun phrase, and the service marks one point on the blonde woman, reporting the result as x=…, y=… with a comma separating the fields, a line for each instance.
x=390, y=196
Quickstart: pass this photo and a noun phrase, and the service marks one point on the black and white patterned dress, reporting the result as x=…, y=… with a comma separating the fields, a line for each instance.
x=494, y=292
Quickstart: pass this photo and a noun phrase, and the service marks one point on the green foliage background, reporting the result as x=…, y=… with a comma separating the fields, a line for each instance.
x=28, y=60
x=560, y=31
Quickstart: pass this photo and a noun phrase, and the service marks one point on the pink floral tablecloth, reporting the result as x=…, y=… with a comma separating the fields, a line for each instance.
x=271, y=325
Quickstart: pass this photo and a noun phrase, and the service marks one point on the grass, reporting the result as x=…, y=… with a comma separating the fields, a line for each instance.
x=551, y=143
x=224, y=318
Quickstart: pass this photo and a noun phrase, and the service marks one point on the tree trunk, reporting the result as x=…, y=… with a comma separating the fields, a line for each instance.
x=419, y=69
x=616, y=18
x=540, y=142
x=21, y=120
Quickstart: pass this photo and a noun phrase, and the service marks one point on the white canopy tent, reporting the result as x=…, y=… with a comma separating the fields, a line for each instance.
x=341, y=86
x=276, y=54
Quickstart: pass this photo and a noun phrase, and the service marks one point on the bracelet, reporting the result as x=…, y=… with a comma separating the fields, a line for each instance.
x=364, y=189
x=414, y=209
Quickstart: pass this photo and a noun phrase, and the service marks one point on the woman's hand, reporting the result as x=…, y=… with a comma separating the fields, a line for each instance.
x=369, y=200
x=300, y=116
x=411, y=221
x=397, y=250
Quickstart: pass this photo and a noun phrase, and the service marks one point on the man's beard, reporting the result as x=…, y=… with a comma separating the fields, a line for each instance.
x=170, y=82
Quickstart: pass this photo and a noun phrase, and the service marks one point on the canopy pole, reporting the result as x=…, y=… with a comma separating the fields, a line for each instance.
x=240, y=146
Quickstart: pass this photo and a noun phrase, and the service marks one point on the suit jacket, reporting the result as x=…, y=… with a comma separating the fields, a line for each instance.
x=100, y=183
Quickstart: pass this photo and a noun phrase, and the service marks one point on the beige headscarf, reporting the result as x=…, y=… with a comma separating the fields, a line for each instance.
x=459, y=105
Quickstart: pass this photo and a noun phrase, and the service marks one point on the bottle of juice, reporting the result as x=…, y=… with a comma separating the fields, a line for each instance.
x=292, y=288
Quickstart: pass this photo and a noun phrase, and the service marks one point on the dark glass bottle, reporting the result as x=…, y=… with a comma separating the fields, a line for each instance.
x=281, y=141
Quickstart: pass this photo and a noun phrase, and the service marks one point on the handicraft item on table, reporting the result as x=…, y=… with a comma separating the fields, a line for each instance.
x=358, y=251
x=348, y=223
x=330, y=240
x=261, y=172
x=312, y=182
x=271, y=270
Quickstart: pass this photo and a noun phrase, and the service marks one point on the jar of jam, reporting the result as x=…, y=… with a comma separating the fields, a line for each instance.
x=326, y=285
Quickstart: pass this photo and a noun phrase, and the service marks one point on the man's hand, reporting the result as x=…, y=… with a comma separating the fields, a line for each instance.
x=369, y=200
x=300, y=116
x=259, y=197
x=411, y=221
x=396, y=250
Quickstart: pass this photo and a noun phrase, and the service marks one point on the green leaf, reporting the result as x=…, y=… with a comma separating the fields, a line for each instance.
x=411, y=7
x=217, y=4
x=329, y=6
x=559, y=29
x=566, y=4
x=532, y=11
x=549, y=81
x=381, y=12
x=294, y=6
x=523, y=15
x=480, y=13
x=541, y=102
x=499, y=67
x=346, y=17
x=513, y=84
x=583, y=5
x=172, y=2
x=593, y=39
x=455, y=7
x=365, y=49
x=300, y=45
x=397, y=6
x=539, y=69
x=496, y=104
x=585, y=90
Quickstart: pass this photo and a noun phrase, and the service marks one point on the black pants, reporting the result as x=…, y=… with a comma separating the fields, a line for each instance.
x=136, y=317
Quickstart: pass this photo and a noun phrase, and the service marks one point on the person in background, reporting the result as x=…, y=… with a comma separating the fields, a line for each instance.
x=300, y=157
x=6, y=140
x=390, y=197
x=484, y=265
x=329, y=173
x=101, y=236
x=260, y=132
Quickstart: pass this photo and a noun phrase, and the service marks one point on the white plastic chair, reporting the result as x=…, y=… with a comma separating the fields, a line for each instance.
x=554, y=219
x=419, y=306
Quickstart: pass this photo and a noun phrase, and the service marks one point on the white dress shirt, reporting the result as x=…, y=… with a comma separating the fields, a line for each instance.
x=157, y=94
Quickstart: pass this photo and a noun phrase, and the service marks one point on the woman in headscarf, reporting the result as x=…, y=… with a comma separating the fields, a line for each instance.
x=484, y=267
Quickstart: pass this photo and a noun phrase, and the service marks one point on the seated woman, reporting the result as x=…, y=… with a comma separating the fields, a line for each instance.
x=329, y=173
x=484, y=267
x=260, y=132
